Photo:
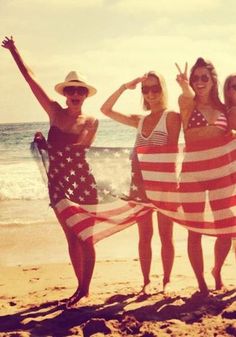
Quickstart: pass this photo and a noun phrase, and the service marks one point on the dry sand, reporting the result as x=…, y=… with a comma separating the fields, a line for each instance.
x=30, y=294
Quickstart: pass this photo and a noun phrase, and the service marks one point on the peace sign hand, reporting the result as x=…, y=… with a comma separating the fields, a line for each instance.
x=182, y=77
x=8, y=43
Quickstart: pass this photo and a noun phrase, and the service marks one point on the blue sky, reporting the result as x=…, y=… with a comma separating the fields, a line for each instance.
x=111, y=42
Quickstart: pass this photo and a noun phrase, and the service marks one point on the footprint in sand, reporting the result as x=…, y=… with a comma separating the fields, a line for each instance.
x=35, y=279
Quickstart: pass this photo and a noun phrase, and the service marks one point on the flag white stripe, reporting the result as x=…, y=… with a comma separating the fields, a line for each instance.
x=74, y=219
x=193, y=156
x=217, y=194
x=64, y=203
x=107, y=225
x=186, y=177
x=207, y=215
x=212, y=231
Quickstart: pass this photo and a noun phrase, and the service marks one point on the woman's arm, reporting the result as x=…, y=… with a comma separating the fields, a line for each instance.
x=232, y=118
x=173, y=127
x=107, y=107
x=186, y=99
x=87, y=135
x=44, y=100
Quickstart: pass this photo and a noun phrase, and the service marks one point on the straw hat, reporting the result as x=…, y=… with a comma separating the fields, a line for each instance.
x=74, y=80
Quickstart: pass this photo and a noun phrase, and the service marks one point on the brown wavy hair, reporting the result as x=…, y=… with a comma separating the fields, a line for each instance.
x=201, y=62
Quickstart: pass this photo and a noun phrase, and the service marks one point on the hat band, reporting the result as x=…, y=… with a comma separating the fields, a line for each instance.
x=75, y=81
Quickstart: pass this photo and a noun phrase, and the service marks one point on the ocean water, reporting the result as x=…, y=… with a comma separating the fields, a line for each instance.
x=24, y=203
x=20, y=177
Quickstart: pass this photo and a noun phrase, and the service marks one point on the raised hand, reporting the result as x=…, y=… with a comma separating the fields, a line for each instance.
x=182, y=77
x=132, y=84
x=8, y=43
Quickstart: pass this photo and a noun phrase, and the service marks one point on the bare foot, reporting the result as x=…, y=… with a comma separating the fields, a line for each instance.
x=75, y=298
x=219, y=285
x=166, y=288
x=200, y=296
x=146, y=289
x=166, y=285
x=203, y=289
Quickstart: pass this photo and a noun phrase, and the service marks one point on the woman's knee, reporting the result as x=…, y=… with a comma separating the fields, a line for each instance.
x=194, y=238
x=165, y=228
x=145, y=233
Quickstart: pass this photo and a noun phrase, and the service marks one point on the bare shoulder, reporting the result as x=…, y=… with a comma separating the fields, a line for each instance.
x=173, y=115
x=56, y=107
x=56, y=111
x=173, y=122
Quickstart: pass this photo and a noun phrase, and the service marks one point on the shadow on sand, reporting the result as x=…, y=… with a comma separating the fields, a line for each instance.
x=125, y=311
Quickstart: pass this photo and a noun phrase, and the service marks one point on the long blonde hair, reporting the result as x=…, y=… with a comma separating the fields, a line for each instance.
x=164, y=96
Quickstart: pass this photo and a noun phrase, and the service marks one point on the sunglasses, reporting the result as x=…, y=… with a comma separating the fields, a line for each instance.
x=203, y=78
x=70, y=91
x=233, y=86
x=153, y=88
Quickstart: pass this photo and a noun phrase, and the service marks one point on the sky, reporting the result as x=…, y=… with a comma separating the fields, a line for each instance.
x=110, y=42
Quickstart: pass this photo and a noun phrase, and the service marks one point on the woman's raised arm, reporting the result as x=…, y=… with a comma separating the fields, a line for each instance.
x=107, y=107
x=47, y=104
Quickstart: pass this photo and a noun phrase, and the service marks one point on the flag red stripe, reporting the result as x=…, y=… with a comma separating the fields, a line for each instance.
x=193, y=207
x=217, y=225
x=210, y=184
x=162, y=167
x=191, y=166
x=209, y=164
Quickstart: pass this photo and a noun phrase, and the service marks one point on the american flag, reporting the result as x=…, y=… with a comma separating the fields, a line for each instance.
x=89, y=189
x=194, y=186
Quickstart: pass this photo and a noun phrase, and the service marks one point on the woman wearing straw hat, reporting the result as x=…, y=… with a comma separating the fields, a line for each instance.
x=67, y=126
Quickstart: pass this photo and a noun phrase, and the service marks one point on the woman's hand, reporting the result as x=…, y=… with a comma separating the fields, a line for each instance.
x=88, y=132
x=132, y=84
x=45, y=101
x=8, y=43
x=182, y=77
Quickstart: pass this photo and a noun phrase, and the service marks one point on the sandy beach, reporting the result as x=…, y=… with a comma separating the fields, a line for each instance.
x=36, y=275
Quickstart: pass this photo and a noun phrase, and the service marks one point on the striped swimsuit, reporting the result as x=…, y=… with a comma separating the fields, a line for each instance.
x=158, y=137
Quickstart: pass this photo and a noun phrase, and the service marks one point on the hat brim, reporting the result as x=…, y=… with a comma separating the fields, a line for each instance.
x=60, y=87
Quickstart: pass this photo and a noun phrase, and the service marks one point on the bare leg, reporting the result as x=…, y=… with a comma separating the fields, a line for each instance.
x=234, y=246
x=196, y=259
x=88, y=262
x=75, y=252
x=165, y=227
x=145, y=251
x=89, y=257
x=222, y=248
x=82, y=255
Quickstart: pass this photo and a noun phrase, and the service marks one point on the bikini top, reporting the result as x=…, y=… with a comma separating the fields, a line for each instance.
x=197, y=120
